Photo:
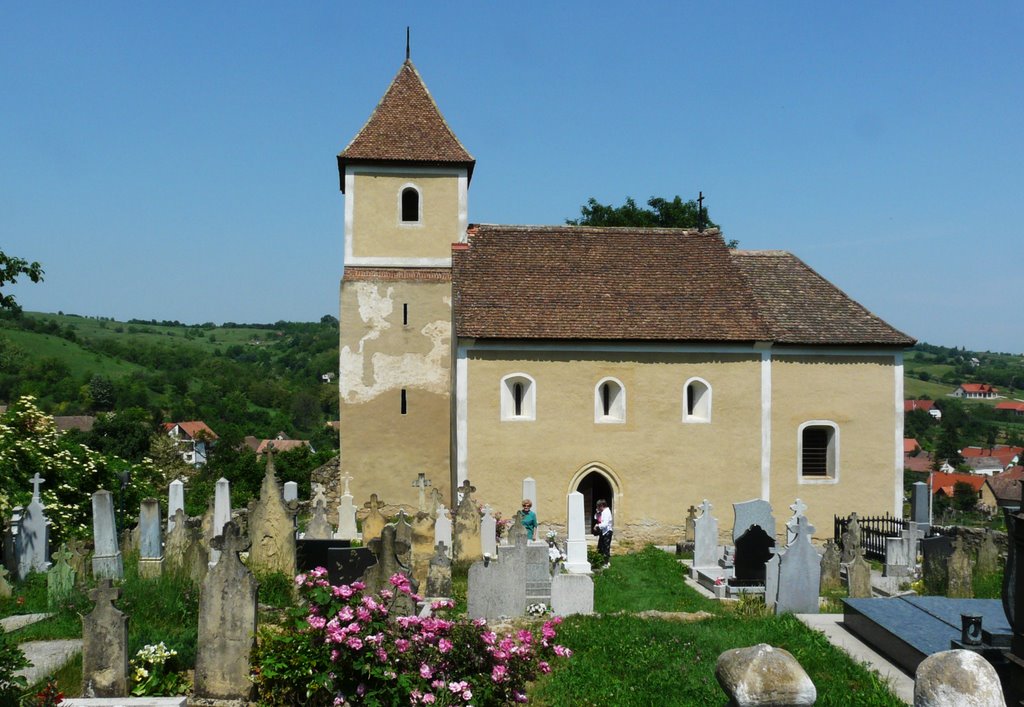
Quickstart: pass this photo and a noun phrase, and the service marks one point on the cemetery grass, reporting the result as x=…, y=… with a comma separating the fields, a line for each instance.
x=627, y=660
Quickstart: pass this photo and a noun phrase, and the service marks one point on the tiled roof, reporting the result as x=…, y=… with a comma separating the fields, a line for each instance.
x=947, y=482
x=978, y=388
x=282, y=445
x=921, y=462
x=192, y=428
x=83, y=423
x=802, y=307
x=406, y=126
x=909, y=445
x=1010, y=405
x=910, y=405
x=1006, y=486
x=574, y=282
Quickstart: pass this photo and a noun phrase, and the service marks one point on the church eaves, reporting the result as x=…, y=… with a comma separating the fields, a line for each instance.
x=406, y=127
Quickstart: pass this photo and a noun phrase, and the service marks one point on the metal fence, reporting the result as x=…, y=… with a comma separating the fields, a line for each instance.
x=873, y=532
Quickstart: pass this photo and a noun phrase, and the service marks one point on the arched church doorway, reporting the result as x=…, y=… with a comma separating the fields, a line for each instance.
x=595, y=486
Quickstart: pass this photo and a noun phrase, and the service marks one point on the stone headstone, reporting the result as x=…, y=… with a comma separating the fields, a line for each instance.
x=960, y=569
x=530, y=492
x=60, y=579
x=799, y=573
x=177, y=542
x=691, y=517
x=858, y=577
x=751, y=513
x=422, y=539
x=151, y=545
x=897, y=557
x=830, y=571
x=347, y=529
x=5, y=585
x=851, y=539
x=771, y=579
x=919, y=503
x=106, y=558
x=221, y=515
x=497, y=587
x=81, y=553
x=105, y=645
x=467, y=540
x=935, y=572
x=420, y=484
x=763, y=675
x=576, y=543
x=753, y=550
x=957, y=678
x=227, y=622
x=403, y=534
x=988, y=555
x=271, y=527
x=443, y=528
x=538, y=572
x=439, y=573
x=798, y=509
x=488, y=533
x=389, y=549
x=434, y=502
x=571, y=594
x=175, y=500
x=374, y=521
x=319, y=528
x=291, y=491
x=705, y=538
x=34, y=539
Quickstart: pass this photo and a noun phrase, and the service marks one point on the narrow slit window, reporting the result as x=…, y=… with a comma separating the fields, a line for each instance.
x=606, y=398
x=691, y=398
x=405, y=314
x=410, y=205
x=609, y=401
x=518, y=397
x=697, y=401
x=405, y=403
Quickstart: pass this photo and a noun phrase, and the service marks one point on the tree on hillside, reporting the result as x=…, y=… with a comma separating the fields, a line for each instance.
x=11, y=269
x=661, y=213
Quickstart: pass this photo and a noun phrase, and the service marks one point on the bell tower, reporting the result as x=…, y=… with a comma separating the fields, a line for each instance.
x=405, y=177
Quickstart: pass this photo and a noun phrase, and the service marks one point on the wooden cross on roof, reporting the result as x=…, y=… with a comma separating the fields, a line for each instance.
x=374, y=504
x=36, y=480
x=105, y=592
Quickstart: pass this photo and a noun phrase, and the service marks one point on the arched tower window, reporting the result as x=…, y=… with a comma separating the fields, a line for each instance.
x=518, y=397
x=697, y=401
x=410, y=205
x=609, y=401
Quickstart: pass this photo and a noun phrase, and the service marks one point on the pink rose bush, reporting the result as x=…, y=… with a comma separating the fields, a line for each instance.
x=346, y=648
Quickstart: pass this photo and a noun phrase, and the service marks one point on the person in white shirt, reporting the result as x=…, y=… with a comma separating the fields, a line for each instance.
x=603, y=529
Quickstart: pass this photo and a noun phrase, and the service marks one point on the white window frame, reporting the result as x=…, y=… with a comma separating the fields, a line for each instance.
x=829, y=478
x=419, y=211
x=702, y=408
x=528, y=405
x=617, y=407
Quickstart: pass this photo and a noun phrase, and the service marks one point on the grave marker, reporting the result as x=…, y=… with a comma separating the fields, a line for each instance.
x=751, y=513
x=576, y=543
x=497, y=587
x=5, y=586
x=422, y=539
x=34, y=536
x=221, y=515
x=389, y=550
x=830, y=571
x=858, y=577
x=935, y=571
x=106, y=558
x=347, y=529
x=467, y=542
x=488, y=531
x=572, y=594
x=439, y=573
x=151, y=546
x=420, y=484
x=753, y=550
x=60, y=579
x=705, y=538
x=319, y=527
x=175, y=500
x=799, y=573
x=988, y=555
x=374, y=521
x=105, y=645
x=271, y=526
x=798, y=509
x=443, y=529
x=959, y=570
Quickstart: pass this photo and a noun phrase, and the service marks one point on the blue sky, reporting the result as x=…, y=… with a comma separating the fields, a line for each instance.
x=177, y=161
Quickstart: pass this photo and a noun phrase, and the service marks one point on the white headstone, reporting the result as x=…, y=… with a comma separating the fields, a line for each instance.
x=221, y=514
x=705, y=538
x=799, y=574
x=572, y=594
x=175, y=500
x=576, y=544
x=488, y=530
x=291, y=491
x=443, y=529
x=106, y=558
x=346, y=519
x=34, y=550
x=798, y=509
x=530, y=492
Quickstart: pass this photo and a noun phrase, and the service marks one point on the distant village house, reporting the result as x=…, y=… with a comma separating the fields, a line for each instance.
x=194, y=438
x=976, y=391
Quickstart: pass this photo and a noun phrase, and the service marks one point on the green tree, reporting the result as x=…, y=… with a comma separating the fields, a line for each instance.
x=125, y=433
x=11, y=269
x=660, y=213
x=964, y=497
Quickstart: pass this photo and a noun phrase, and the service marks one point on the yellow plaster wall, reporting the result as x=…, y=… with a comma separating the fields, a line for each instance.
x=382, y=449
x=858, y=394
x=377, y=230
x=663, y=464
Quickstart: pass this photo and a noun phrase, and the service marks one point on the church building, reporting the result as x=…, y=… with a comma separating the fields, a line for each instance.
x=650, y=367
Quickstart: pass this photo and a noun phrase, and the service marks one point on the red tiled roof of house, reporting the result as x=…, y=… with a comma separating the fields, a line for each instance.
x=1004, y=453
x=919, y=462
x=945, y=482
x=581, y=282
x=911, y=405
x=192, y=428
x=406, y=126
x=978, y=388
x=1006, y=486
x=1014, y=405
x=909, y=445
x=282, y=445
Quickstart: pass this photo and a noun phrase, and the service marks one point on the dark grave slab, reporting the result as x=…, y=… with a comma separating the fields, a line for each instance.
x=934, y=566
x=347, y=565
x=753, y=550
x=310, y=554
x=909, y=629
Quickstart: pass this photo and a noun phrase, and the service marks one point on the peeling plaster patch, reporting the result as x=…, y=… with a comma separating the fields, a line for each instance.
x=388, y=371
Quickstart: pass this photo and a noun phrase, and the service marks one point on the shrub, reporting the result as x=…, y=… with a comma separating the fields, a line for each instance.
x=346, y=648
x=11, y=661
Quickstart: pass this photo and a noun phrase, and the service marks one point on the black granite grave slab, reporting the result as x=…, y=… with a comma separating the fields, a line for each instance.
x=753, y=549
x=310, y=554
x=909, y=629
x=347, y=565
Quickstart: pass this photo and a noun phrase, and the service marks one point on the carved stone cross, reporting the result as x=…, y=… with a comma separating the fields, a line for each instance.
x=705, y=508
x=346, y=478
x=230, y=541
x=105, y=592
x=440, y=552
x=374, y=504
x=798, y=507
x=466, y=490
x=36, y=481
x=421, y=483
x=691, y=512
x=63, y=555
x=804, y=527
x=318, y=495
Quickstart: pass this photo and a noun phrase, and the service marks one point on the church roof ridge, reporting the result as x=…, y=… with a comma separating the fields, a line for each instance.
x=406, y=126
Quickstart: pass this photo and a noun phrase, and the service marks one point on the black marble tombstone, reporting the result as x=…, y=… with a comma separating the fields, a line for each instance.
x=753, y=550
x=347, y=565
x=310, y=554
